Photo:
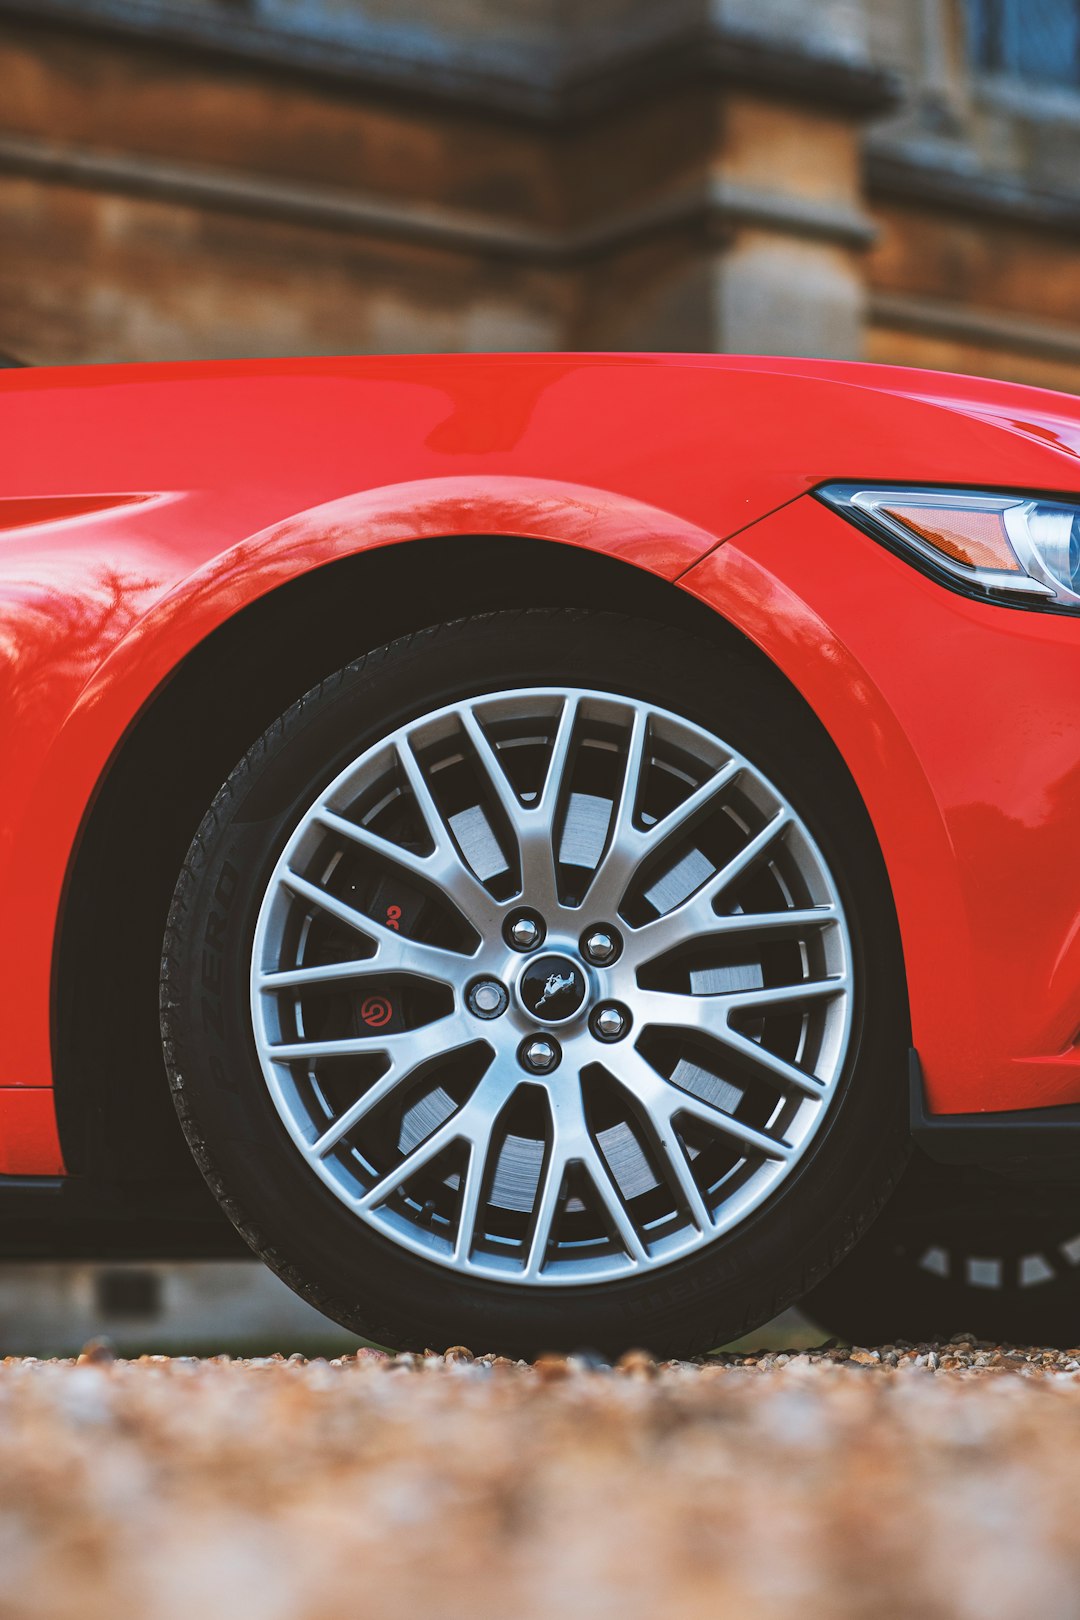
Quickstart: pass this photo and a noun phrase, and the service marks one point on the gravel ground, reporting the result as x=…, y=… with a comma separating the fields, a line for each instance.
x=938, y=1481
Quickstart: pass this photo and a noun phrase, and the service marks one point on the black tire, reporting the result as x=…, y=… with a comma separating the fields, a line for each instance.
x=350, y=1271
x=960, y=1251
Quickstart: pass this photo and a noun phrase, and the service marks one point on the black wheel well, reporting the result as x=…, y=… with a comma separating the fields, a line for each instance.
x=116, y=1118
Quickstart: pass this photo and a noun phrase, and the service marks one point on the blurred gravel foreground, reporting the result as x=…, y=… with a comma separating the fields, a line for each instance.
x=929, y=1481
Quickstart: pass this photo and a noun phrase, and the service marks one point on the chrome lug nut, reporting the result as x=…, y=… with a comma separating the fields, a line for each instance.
x=487, y=998
x=524, y=931
x=601, y=946
x=610, y=1023
x=540, y=1054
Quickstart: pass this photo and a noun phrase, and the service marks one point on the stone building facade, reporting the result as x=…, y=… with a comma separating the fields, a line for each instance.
x=892, y=179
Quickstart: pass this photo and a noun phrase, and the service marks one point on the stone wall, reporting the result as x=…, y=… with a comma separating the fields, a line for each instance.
x=220, y=177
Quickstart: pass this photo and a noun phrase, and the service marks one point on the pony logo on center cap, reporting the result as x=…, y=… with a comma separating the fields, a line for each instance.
x=552, y=988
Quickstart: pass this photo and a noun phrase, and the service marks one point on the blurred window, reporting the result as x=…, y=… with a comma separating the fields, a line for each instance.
x=128, y=1291
x=1032, y=39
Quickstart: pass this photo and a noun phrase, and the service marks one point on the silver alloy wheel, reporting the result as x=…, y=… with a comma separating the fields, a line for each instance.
x=542, y=869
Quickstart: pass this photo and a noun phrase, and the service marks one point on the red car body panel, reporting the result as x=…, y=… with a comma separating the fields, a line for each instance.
x=141, y=507
x=960, y=723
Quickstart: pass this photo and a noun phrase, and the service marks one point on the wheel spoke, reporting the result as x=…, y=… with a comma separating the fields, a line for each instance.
x=662, y=1099
x=676, y=1166
x=421, y=1155
x=596, y=1168
x=374, y=1043
x=769, y=1147
x=800, y=920
x=695, y=915
x=672, y=1009
x=555, y=777
x=376, y=1093
x=302, y=978
x=677, y=819
x=419, y=865
x=790, y=1077
x=674, y=1160
x=446, y=866
x=495, y=777
x=574, y=1143
x=630, y=844
x=668, y=1149
x=708, y=1016
x=625, y=839
x=394, y=950
x=623, y=827
x=472, y=1186
x=710, y=1013
x=697, y=920
x=471, y=1123
x=780, y=995
x=532, y=826
x=430, y=813
x=544, y=1212
x=443, y=869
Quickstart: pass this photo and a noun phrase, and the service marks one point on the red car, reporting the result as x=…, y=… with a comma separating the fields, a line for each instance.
x=598, y=811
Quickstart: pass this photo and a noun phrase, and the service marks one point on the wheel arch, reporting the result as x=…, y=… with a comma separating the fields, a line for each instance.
x=110, y=1087
x=113, y=1107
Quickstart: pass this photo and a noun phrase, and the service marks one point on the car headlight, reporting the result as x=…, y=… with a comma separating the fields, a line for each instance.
x=1026, y=548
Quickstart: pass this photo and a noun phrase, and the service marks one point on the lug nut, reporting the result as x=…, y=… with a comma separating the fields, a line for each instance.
x=524, y=931
x=610, y=1023
x=601, y=946
x=488, y=998
x=540, y=1054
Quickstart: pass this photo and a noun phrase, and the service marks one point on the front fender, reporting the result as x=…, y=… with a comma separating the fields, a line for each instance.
x=959, y=723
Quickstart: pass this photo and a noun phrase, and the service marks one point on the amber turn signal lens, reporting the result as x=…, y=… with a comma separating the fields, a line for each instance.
x=976, y=539
x=1022, y=549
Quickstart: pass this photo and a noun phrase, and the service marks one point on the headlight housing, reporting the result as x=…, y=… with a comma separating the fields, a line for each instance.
x=1023, y=548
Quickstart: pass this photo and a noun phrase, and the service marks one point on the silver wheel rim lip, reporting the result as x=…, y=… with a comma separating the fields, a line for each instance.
x=496, y=959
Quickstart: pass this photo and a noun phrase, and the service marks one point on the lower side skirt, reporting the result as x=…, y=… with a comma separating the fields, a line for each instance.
x=1034, y=1144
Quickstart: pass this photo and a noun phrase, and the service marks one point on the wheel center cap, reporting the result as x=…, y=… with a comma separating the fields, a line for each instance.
x=552, y=988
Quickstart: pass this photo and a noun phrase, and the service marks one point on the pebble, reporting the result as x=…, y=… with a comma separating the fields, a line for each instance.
x=550, y=1368
x=636, y=1364
x=96, y=1351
